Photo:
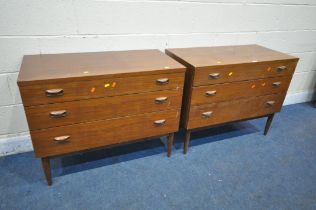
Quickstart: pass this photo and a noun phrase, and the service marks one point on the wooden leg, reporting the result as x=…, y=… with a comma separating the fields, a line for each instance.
x=186, y=141
x=170, y=143
x=268, y=124
x=47, y=170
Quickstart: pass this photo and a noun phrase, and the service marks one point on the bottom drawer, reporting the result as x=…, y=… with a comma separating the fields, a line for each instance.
x=72, y=138
x=217, y=113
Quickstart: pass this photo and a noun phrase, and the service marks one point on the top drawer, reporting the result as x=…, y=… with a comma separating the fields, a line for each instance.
x=59, y=92
x=247, y=71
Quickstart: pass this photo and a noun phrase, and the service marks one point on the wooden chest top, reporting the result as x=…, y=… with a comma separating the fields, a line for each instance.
x=227, y=55
x=76, y=66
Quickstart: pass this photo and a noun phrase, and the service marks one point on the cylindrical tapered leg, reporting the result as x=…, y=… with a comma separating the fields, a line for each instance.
x=47, y=170
x=170, y=143
x=186, y=141
x=268, y=124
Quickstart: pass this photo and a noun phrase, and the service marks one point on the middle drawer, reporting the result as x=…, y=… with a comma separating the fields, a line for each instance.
x=230, y=91
x=58, y=114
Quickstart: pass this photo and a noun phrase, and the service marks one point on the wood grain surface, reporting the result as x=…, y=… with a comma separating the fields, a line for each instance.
x=36, y=94
x=103, y=132
x=37, y=69
x=227, y=111
x=236, y=90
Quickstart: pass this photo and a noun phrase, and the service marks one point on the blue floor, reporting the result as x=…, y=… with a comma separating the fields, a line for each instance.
x=229, y=167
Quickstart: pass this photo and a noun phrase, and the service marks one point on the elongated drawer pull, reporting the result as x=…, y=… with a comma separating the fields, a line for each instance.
x=162, y=81
x=207, y=114
x=161, y=100
x=270, y=103
x=62, y=139
x=281, y=68
x=54, y=92
x=213, y=76
x=276, y=84
x=58, y=114
x=210, y=93
x=159, y=122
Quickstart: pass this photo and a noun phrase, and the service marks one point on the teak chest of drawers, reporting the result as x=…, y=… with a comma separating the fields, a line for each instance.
x=232, y=83
x=81, y=101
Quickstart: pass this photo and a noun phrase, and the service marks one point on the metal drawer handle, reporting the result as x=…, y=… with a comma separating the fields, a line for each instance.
x=62, y=139
x=54, y=92
x=162, y=81
x=210, y=93
x=270, y=103
x=58, y=114
x=213, y=76
x=159, y=122
x=161, y=100
x=276, y=84
x=207, y=114
x=281, y=68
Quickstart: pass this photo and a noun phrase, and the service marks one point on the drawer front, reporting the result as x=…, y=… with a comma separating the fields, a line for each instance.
x=58, y=114
x=236, y=90
x=65, y=139
x=61, y=92
x=227, y=111
x=215, y=75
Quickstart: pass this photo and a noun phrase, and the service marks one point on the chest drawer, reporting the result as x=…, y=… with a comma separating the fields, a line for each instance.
x=236, y=90
x=58, y=114
x=222, y=112
x=64, y=139
x=60, y=92
x=240, y=72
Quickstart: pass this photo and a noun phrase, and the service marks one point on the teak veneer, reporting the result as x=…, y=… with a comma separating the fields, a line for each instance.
x=232, y=83
x=81, y=101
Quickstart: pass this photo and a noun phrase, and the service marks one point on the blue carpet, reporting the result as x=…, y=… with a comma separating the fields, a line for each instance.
x=228, y=167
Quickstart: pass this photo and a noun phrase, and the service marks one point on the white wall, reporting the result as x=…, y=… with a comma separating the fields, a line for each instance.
x=47, y=26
